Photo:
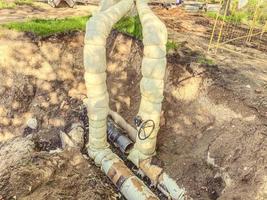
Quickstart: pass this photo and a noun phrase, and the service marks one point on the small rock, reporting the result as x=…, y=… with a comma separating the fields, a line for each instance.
x=32, y=123
x=77, y=134
x=258, y=91
x=211, y=161
x=75, y=138
x=217, y=175
x=248, y=86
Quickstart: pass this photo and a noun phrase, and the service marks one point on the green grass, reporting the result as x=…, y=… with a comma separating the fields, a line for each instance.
x=171, y=45
x=131, y=26
x=244, y=15
x=4, y=5
x=9, y=5
x=43, y=27
x=204, y=61
x=234, y=18
x=23, y=2
x=46, y=27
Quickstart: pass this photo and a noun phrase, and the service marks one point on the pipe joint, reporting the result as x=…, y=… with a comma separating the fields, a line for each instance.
x=116, y=137
x=136, y=156
x=162, y=180
x=129, y=185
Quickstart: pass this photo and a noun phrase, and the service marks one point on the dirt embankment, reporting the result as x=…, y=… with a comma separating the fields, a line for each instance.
x=213, y=128
x=43, y=80
x=30, y=174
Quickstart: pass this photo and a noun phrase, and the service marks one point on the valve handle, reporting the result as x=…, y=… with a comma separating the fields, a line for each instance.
x=145, y=128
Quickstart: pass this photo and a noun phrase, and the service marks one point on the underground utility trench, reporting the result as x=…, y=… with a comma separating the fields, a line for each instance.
x=140, y=147
x=205, y=140
x=148, y=119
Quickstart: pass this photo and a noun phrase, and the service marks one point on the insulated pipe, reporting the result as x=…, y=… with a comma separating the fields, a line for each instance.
x=97, y=30
x=131, y=131
x=152, y=83
x=119, y=139
x=154, y=172
x=152, y=86
x=105, y=4
x=162, y=180
x=130, y=186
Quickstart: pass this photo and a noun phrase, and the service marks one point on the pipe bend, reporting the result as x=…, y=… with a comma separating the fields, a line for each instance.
x=154, y=30
x=152, y=83
x=97, y=31
x=105, y=4
x=100, y=25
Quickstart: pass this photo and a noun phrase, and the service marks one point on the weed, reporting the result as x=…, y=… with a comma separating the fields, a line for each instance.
x=204, y=61
x=171, y=45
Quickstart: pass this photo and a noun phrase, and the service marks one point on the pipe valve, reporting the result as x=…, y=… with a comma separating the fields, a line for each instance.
x=144, y=128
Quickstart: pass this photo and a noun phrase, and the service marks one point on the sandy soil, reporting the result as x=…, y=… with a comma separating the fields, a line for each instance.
x=214, y=122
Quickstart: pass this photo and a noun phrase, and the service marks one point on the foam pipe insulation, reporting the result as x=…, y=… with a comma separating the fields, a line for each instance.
x=151, y=86
x=97, y=30
x=130, y=186
x=105, y=4
x=118, y=119
x=155, y=173
x=162, y=180
x=152, y=83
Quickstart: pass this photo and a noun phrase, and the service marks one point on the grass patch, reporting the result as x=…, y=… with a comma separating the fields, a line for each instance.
x=9, y=5
x=23, y=2
x=43, y=27
x=244, y=15
x=238, y=17
x=131, y=26
x=171, y=45
x=204, y=61
x=5, y=5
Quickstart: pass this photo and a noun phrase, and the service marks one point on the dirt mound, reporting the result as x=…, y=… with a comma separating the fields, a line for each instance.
x=205, y=127
x=29, y=174
x=211, y=140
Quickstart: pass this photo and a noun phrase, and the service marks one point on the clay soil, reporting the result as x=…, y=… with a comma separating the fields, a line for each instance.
x=213, y=136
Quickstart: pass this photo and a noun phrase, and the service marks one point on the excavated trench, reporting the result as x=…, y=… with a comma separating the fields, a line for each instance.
x=211, y=141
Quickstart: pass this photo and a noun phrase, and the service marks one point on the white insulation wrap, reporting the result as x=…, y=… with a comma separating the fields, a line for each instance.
x=152, y=83
x=130, y=186
x=173, y=189
x=132, y=189
x=105, y=4
x=151, y=86
x=97, y=31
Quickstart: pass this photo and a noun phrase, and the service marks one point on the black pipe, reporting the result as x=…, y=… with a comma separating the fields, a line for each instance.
x=117, y=136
